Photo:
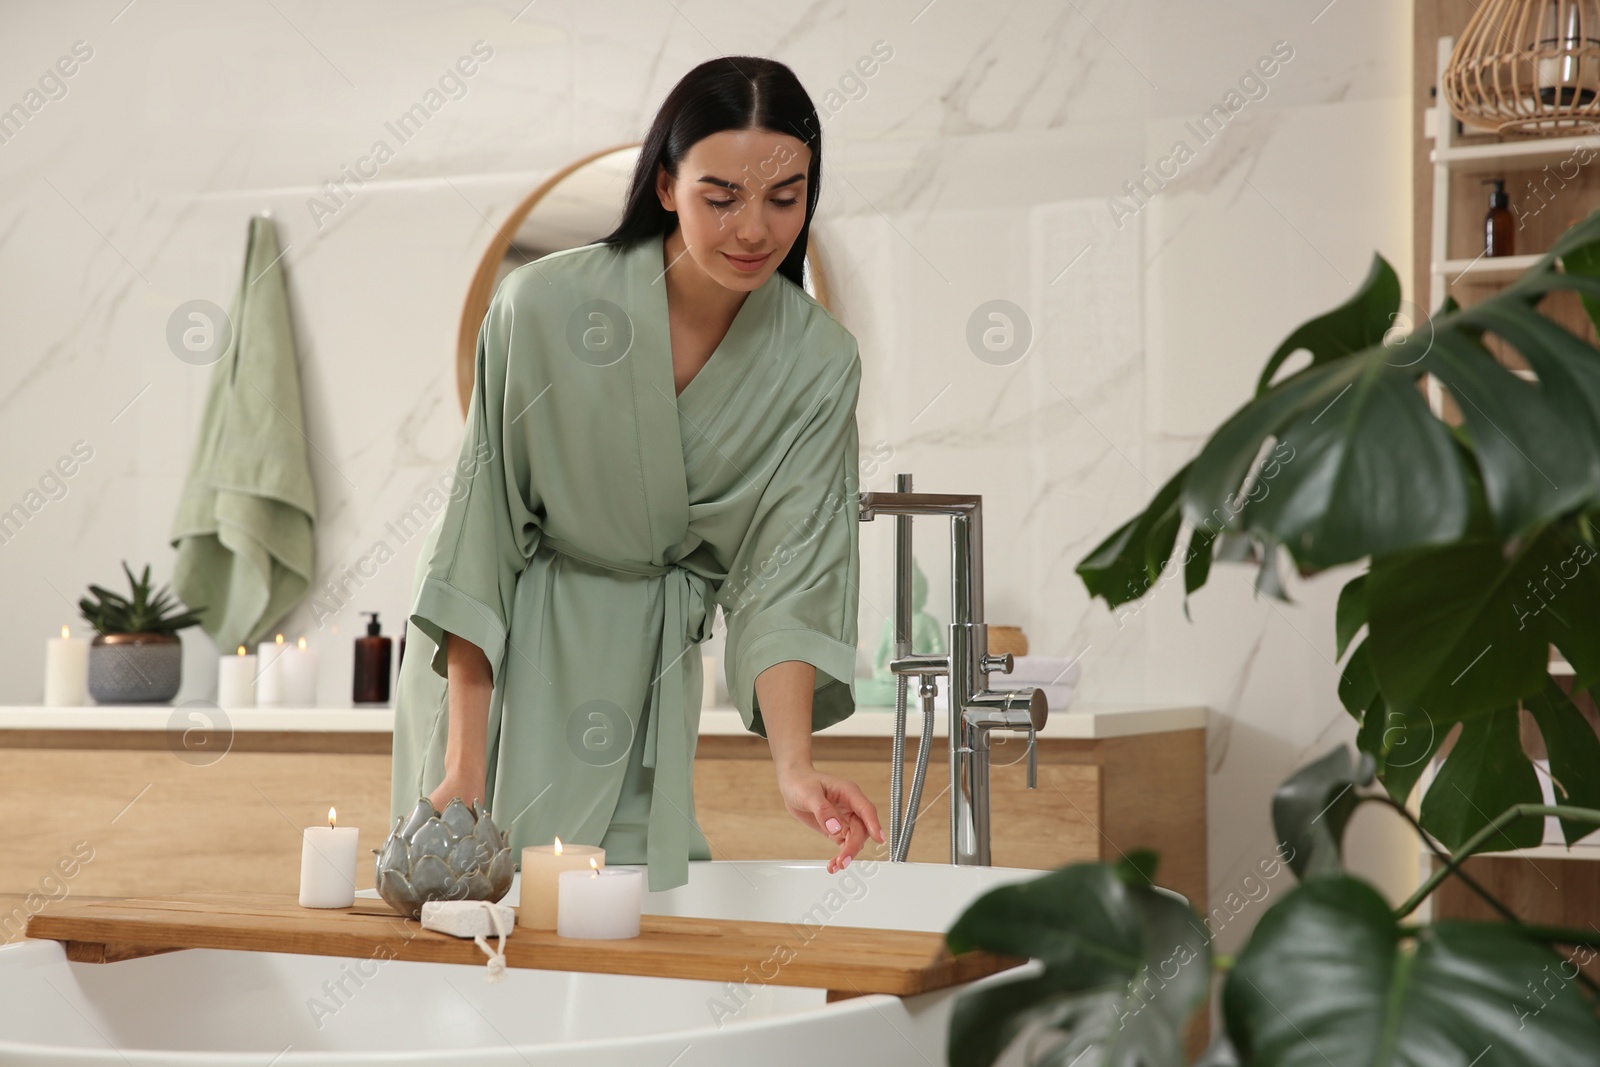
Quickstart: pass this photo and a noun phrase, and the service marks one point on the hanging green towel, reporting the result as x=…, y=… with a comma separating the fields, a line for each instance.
x=243, y=528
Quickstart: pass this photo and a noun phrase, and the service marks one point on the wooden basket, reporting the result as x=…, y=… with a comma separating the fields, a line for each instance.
x=1527, y=66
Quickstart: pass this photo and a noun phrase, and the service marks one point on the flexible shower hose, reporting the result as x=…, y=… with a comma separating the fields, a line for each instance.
x=901, y=827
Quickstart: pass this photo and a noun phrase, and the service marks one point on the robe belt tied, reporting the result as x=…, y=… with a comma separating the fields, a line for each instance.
x=666, y=743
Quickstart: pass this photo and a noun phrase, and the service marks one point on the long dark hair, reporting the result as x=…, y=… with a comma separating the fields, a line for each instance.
x=727, y=93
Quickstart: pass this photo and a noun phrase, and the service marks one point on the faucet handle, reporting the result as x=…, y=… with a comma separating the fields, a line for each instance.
x=1033, y=757
x=1001, y=663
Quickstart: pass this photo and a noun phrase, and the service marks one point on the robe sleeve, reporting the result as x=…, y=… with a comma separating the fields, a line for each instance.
x=793, y=589
x=487, y=525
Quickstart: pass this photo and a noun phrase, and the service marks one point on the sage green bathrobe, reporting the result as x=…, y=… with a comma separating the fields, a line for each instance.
x=601, y=518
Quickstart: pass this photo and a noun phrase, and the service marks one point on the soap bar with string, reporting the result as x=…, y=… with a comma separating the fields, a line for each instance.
x=466, y=918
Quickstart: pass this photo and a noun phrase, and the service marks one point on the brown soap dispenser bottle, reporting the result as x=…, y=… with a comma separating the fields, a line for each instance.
x=372, y=665
x=1497, y=235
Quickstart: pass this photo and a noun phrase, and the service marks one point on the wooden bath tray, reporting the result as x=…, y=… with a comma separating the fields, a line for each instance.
x=846, y=961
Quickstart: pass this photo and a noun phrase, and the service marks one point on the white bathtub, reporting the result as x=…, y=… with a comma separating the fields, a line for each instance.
x=203, y=1006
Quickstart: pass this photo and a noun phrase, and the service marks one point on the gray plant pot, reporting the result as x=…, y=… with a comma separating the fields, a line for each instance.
x=135, y=668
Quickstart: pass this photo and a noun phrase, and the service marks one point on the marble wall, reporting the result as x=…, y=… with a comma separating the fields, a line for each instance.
x=991, y=157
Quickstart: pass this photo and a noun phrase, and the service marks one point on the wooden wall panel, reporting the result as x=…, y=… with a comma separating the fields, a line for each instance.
x=157, y=825
x=1149, y=785
x=160, y=825
x=1554, y=892
x=739, y=809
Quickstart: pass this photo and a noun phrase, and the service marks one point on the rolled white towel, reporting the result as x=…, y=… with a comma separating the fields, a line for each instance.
x=1044, y=670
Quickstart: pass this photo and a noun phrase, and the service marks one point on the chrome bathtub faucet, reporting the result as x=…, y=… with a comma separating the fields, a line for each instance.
x=975, y=711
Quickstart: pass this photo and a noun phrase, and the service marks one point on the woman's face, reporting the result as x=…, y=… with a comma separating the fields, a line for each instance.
x=740, y=196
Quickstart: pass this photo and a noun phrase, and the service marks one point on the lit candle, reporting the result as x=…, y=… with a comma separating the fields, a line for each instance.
x=269, y=682
x=66, y=670
x=600, y=903
x=541, y=864
x=236, y=681
x=328, y=865
x=300, y=676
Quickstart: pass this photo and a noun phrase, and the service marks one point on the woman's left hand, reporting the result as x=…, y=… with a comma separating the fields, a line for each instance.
x=833, y=806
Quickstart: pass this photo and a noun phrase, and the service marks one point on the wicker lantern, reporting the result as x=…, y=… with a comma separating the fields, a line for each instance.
x=1528, y=66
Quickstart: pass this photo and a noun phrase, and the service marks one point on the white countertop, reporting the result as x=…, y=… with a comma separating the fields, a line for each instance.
x=1081, y=721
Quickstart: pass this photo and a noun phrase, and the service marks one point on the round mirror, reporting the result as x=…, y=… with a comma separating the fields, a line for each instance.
x=577, y=205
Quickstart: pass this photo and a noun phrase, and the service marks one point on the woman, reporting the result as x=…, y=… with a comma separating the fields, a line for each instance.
x=662, y=422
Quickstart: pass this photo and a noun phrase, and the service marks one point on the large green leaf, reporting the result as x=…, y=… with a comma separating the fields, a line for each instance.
x=1485, y=773
x=1579, y=259
x=1327, y=978
x=1561, y=597
x=1443, y=633
x=1359, y=323
x=1401, y=742
x=1357, y=684
x=1197, y=564
x=1125, y=965
x=1123, y=567
x=1310, y=810
x=1574, y=753
x=1351, y=614
x=1330, y=490
x=1524, y=435
x=1565, y=365
x=1463, y=629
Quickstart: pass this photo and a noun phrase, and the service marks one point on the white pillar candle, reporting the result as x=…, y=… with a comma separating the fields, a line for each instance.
x=66, y=670
x=541, y=864
x=328, y=865
x=236, y=680
x=599, y=904
x=269, y=673
x=300, y=676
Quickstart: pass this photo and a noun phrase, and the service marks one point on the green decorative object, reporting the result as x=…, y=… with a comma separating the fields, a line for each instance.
x=926, y=636
x=456, y=854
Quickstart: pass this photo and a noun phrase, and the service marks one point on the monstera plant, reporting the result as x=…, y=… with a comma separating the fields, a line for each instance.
x=1331, y=974
x=1479, y=545
x=1480, y=537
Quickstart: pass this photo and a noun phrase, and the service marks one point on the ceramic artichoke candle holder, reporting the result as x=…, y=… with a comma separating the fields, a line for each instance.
x=457, y=854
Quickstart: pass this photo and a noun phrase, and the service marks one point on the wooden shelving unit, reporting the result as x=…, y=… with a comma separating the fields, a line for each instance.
x=1487, y=268
x=1452, y=158
x=1552, y=182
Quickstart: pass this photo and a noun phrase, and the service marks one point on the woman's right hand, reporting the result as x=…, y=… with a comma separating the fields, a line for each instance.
x=469, y=788
x=470, y=686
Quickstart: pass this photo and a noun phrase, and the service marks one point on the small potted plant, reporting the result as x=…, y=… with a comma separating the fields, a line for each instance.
x=136, y=656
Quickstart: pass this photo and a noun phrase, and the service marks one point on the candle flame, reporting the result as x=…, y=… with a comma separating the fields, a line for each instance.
x=302, y=643
x=331, y=814
x=558, y=846
x=594, y=865
x=241, y=650
x=65, y=632
x=280, y=639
